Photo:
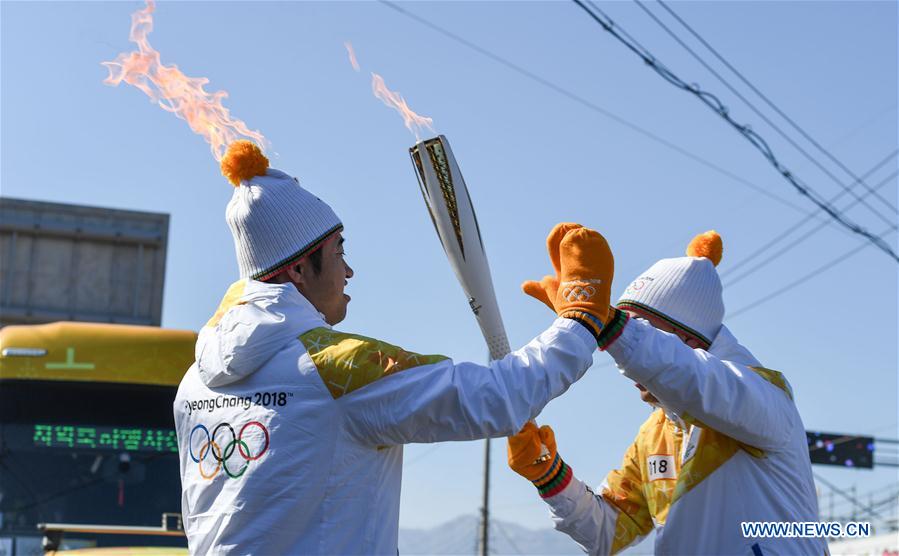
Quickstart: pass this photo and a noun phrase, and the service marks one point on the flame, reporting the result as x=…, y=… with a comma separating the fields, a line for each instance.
x=413, y=121
x=175, y=92
x=352, y=54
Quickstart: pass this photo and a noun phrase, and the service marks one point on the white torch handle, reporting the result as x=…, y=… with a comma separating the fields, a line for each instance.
x=452, y=213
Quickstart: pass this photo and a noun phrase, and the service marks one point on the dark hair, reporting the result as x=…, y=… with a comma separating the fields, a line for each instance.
x=316, y=259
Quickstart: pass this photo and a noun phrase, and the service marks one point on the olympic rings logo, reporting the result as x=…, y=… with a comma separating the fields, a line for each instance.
x=236, y=444
x=578, y=293
x=636, y=286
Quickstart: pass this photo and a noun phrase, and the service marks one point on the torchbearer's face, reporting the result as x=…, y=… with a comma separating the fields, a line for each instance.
x=324, y=289
x=686, y=338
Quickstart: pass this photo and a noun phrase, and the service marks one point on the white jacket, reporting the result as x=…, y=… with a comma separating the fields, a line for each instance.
x=743, y=457
x=290, y=434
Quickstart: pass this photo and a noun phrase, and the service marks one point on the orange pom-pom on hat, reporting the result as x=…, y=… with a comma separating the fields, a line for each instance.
x=274, y=221
x=244, y=160
x=707, y=244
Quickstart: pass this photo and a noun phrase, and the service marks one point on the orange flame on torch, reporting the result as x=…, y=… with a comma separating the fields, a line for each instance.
x=175, y=92
x=352, y=54
x=413, y=121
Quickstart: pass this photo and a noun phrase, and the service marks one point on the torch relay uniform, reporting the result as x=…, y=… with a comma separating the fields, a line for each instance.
x=291, y=433
x=728, y=447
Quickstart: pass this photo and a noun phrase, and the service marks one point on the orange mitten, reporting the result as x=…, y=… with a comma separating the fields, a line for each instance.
x=585, y=277
x=554, y=242
x=581, y=287
x=544, y=290
x=585, y=286
x=550, y=476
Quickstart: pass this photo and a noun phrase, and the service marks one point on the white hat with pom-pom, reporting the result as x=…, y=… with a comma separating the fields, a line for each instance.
x=684, y=291
x=274, y=221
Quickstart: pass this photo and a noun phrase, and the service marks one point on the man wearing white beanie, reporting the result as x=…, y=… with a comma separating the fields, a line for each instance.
x=726, y=445
x=290, y=433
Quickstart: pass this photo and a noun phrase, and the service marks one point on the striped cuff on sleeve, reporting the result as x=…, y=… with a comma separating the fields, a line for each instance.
x=555, y=480
x=585, y=319
x=613, y=329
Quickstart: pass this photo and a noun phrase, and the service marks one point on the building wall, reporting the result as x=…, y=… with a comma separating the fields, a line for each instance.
x=78, y=263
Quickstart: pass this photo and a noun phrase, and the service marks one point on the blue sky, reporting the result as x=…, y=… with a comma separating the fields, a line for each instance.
x=531, y=157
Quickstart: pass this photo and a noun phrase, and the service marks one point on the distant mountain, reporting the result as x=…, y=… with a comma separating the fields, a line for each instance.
x=460, y=535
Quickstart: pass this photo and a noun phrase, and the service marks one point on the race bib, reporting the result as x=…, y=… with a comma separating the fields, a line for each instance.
x=661, y=467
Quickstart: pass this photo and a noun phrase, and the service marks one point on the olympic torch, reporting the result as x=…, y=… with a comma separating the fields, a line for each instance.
x=452, y=213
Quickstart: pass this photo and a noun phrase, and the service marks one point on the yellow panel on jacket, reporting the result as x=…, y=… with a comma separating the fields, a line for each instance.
x=347, y=362
x=655, y=472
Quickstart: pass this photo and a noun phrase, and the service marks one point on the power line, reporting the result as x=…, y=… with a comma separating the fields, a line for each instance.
x=592, y=106
x=502, y=530
x=782, y=236
x=586, y=103
x=789, y=139
x=873, y=118
x=847, y=496
x=786, y=233
x=842, y=258
x=784, y=250
x=770, y=103
x=712, y=102
x=889, y=497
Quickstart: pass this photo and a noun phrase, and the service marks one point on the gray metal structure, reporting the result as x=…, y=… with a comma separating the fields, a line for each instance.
x=61, y=262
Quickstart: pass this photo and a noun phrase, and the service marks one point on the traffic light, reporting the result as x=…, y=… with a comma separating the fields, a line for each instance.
x=841, y=449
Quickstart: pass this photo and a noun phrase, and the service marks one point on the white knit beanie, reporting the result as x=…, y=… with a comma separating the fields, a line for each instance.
x=685, y=291
x=274, y=221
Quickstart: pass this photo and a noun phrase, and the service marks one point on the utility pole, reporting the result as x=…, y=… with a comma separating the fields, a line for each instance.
x=485, y=507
